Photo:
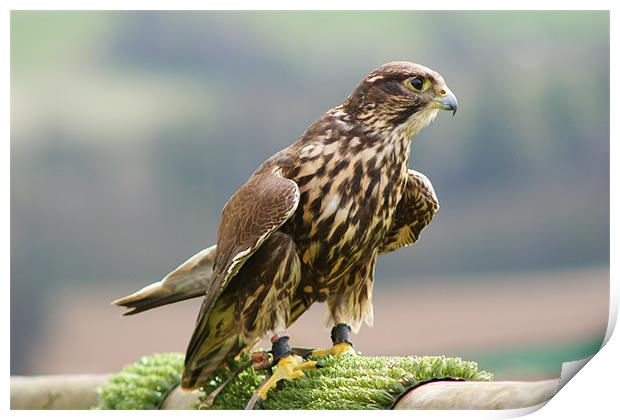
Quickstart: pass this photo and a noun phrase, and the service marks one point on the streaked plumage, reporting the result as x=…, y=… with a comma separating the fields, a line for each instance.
x=309, y=224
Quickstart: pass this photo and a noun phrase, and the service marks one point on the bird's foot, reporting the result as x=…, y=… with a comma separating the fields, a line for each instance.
x=341, y=340
x=339, y=349
x=289, y=367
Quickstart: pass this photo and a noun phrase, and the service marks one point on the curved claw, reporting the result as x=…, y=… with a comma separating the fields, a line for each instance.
x=339, y=349
x=289, y=367
x=307, y=365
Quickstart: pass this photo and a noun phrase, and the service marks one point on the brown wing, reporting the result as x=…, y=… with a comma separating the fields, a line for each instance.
x=255, y=211
x=414, y=212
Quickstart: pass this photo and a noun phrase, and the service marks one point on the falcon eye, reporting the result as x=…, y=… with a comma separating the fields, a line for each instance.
x=416, y=83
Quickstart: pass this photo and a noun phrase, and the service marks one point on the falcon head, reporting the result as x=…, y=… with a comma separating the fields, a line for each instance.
x=400, y=94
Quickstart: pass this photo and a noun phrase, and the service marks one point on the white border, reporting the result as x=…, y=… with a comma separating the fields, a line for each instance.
x=593, y=393
x=311, y=5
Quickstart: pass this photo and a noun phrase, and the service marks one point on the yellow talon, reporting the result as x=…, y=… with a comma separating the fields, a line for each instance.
x=339, y=349
x=289, y=367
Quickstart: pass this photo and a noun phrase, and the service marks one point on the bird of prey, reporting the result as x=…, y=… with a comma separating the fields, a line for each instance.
x=308, y=226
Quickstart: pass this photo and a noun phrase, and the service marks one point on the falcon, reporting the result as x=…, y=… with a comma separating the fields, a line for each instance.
x=308, y=226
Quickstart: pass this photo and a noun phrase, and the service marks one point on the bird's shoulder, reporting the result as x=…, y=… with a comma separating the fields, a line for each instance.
x=415, y=210
x=421, y=188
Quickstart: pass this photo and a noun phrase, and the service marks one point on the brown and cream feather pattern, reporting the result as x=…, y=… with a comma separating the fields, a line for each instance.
x=309, y=224
x=416, y=208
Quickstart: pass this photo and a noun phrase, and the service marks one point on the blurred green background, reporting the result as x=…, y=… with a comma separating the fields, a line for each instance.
x=130, y=130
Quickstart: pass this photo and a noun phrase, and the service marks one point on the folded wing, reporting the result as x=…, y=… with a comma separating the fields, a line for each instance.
x=414, y=212
x=252, y=214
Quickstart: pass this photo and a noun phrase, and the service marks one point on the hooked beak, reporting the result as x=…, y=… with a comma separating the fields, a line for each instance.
x=447, y=101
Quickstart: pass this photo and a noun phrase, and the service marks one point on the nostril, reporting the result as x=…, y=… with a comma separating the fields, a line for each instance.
x=443, y=92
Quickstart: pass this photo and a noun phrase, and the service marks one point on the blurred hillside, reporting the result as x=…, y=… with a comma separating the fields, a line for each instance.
x=130, y=130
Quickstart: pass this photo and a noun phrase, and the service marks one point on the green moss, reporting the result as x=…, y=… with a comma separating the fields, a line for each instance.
x=350, y=382
x=142, y=385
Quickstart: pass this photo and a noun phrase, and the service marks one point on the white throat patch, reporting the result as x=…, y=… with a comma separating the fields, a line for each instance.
x=420, y=120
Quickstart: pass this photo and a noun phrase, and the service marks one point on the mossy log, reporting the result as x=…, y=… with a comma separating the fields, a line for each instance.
x=355, y=382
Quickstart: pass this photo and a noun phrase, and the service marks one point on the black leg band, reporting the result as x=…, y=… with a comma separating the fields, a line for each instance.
x=280, y=348
x=340, y=334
